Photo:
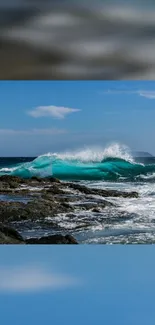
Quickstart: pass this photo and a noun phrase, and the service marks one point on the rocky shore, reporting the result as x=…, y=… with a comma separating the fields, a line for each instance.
x=37, y=203
x=9, y=235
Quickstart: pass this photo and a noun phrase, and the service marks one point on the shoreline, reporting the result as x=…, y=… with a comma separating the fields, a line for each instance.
x=37, y=202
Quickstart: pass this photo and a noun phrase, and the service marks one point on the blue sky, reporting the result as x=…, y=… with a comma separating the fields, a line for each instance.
x=83, y=285
x=37, y=117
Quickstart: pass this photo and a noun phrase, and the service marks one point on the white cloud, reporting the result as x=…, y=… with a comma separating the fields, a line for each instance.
x=31, y=279
x=52, y=131
x=52, y=111
x=147, y=94
x=144, y=93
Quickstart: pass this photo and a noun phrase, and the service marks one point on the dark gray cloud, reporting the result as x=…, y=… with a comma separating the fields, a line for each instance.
x=77, y=40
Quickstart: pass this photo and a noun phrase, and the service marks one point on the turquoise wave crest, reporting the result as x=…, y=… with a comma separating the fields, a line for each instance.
x=73, y=167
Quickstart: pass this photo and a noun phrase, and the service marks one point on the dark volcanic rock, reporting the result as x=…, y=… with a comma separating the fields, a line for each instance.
x=12, y=211
x=97, y=210
x=53, y=180
x=104, y=193
x=55, y=239
x=55, y=189
x=47, y=200
x=8, y=179
x=43, y=180
x=8, y=183
x=9, y=235
x=32, y=210
x=35, y=178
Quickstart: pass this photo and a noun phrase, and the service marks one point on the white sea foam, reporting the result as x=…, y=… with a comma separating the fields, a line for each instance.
x=148, y=176
x=6, y=170
x=94, y=153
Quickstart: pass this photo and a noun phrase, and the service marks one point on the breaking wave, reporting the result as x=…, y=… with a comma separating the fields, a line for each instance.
x=114, y=163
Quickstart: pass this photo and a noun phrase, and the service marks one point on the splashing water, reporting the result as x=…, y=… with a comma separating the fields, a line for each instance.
x=114, y=163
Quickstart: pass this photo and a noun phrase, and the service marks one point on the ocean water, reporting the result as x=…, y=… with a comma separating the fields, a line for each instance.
x=131, y=220
x=114, y=164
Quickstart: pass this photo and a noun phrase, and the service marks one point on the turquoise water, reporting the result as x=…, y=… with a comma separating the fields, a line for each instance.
x=67, y=167
x=128, y=221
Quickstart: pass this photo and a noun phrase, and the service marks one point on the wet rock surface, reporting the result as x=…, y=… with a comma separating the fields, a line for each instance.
x=104, y=193
x=55, y=239
x=46, y=200
x=9, y=235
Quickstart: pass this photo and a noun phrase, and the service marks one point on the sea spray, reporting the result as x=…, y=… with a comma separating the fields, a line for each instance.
x=113, y=163
x=94, y=154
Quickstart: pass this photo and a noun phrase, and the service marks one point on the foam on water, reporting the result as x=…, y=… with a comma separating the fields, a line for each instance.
x=130, y=220
x=113, y=163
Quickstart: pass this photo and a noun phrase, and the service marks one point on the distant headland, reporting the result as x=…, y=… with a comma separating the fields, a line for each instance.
x=141, y=154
